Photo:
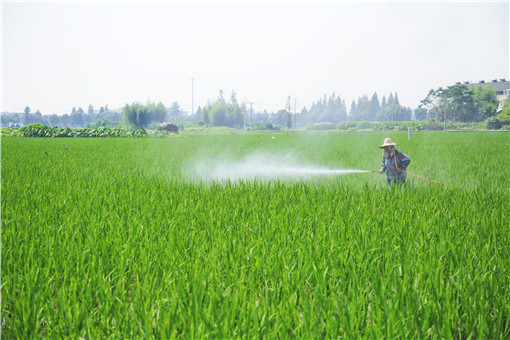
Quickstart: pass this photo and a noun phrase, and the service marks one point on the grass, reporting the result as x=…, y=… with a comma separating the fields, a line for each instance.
x=108, y=239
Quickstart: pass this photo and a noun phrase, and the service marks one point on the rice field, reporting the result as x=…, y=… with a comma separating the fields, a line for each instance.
x=127, y=238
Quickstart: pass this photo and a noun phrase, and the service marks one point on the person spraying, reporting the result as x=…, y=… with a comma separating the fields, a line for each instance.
x=394, y=163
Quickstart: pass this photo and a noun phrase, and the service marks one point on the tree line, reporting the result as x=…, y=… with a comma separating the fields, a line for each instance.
x=333, y=109
x=134, y=115
x=223, y=113
x=460, y=102
x=76, y=118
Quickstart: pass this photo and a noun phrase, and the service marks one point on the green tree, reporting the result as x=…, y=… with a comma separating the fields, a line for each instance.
x=280, y=118
x=233, y=98
x=7, y=119
x=198, y=114
x=330, y=110
x=374, y=107
x=219, y=113
x=287, y=105
x=361, y=109
x=65, y=120
x=435, y=103
x=289, y=120
x=461, y=104
x=420, y=113
x=235, y=113
x=222, y=113
x=486, y=101
x=158, y=112
x=54, y=120
x=136, y=115
x=77, y=119
x=391, y=100
x=383, y=102
x=26, y=118
x=205, y=118
x=504, y=116
x=175, y=110
x=29, y=118
x=353, y=110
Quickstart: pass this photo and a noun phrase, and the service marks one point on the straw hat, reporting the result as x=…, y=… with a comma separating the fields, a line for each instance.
x=387, y=142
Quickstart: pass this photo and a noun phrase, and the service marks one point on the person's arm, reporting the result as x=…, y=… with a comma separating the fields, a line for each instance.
x=404, y=161
x=383, y=167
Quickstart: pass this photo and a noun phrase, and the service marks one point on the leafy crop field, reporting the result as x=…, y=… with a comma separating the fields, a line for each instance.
x=115, y=238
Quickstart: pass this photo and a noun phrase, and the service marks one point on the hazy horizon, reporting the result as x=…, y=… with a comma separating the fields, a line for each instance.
x=59, y=55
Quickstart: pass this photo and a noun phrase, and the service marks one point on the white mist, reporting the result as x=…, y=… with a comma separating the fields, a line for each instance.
x=261, y=167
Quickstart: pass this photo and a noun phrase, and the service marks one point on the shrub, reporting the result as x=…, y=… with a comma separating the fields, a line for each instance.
x=38, y=130
x=504, y=117
x=321, y=126
x=432, y=124
x=104, y=123
x=493, y=124
x=169, y=127
x=9, y=132
x=266, y=126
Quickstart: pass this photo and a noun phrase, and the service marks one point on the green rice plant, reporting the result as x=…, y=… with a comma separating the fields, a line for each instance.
x=109, y=237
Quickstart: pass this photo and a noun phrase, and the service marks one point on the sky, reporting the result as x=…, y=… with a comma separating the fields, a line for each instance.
x=60, y=55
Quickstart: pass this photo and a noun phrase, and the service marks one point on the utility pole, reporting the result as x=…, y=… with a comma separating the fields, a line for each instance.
x=295, y=119
x=192, y=94
x=251, y=114
x=444, y=113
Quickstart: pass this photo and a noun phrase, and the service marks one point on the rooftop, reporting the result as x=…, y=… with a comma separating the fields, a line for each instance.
x=495, y=84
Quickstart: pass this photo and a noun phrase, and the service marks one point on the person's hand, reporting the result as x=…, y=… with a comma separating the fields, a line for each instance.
x=380, y=171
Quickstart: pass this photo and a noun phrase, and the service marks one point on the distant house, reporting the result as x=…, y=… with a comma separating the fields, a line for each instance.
x=502, y=88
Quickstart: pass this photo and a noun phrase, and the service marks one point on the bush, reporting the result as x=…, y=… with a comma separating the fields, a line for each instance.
x=169, y=127
x=266, y=126
x=504, y=117
x=493, y=124
x=9, y=132
x=432, y=124
x=104, y=123
x=346, y=125
x=38, y=130
x=321, y=126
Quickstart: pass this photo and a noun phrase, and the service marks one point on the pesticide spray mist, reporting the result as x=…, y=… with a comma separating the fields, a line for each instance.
x=259, y=166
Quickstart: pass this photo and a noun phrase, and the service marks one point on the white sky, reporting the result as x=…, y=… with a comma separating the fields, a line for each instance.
x=56, y=55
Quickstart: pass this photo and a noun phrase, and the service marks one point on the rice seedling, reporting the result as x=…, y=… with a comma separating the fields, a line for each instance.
x=116, y=238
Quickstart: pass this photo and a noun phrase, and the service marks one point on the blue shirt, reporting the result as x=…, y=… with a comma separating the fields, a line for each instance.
x=388, y=165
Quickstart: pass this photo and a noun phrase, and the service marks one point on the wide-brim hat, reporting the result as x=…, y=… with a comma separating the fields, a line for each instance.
x=387, y=142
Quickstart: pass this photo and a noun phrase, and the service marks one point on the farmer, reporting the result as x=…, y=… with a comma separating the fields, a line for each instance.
x=394, y=163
